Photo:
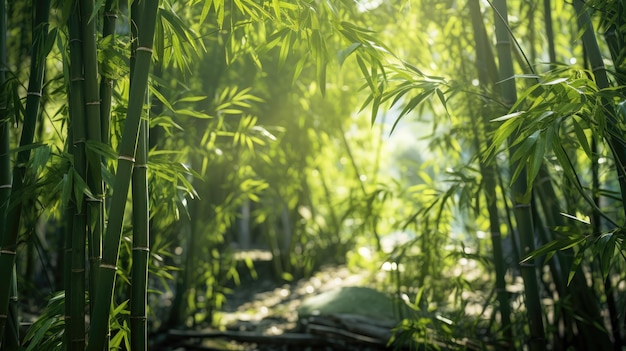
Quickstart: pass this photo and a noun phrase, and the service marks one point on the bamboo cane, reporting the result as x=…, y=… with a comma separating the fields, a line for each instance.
x=106, y=82
x=95, y=213
x=126, y=159
x=10, y=340
x=141, y=248
x=522, y=207
x=141, y=225
x=484, y=59
x=8, y=245
x=76, y=297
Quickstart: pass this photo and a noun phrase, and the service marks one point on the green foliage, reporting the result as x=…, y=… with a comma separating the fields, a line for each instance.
x=289, y=110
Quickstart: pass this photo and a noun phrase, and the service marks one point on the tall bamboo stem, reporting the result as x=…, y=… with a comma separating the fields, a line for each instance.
x=75, y=327
x=7, y=339
x=522, y=207
x=141, y=224
x=8, y=245
x=592, y=51
x=126, y=159
x=484, y=59
x=106, y=81
x=95, y=212
x=141, y=248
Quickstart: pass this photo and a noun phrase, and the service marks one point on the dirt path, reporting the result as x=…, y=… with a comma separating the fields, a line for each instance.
x=269, y=309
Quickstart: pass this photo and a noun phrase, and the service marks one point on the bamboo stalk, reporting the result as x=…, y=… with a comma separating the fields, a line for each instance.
x=141, y=246
x=7, y=339
x=484, y=59
x=126, y=159
x=76, y=298
x=106, y=82
x=8, y=245
x=547, y=19
x=95, y=212
x=141, y=225
x=521, y=206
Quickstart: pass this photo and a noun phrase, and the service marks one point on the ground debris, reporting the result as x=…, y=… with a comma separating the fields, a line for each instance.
x=335, y=332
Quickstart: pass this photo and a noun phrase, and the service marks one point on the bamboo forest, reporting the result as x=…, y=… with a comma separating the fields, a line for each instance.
x=316, y=175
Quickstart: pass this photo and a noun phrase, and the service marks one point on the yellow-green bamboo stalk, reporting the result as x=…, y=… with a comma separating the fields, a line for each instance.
x=522, y=207
x=8, y=245
x=487, y=79
x=126, y=159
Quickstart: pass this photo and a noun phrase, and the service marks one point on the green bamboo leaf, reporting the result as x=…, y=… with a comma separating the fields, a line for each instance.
x=605, y=249
x=101, y=149
x=508, y=116
x=555, y=81
x=285, y=48
x=582, y=138
x=550, y=248
x=50, y=40
x=195, y=114
x=80, y=190
x=276, y=7
x=534, y=165
x=442, y=98
x=343, y=54
x=37, y=338
x=191, y=99
x=366, y=74
x=160, y=97
x=414, y=102
x=67, y=184
x=575, y=264
x=376, y=100
x=95, y=10
x=501, y=135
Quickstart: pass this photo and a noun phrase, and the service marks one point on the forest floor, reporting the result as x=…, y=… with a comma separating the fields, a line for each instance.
x=260, y=313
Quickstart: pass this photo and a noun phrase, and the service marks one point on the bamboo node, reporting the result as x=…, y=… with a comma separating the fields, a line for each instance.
x=78, y=270
x=91, y=103
x=143, y=165
x=35, y=93
x=93, y=199
x=77, y=79
x=7, y=252
x=144, y=48
x=597, y=68
x=108, y=266
x=6, y=186
x=143, y=318
x=127, y=158
x=141, y=248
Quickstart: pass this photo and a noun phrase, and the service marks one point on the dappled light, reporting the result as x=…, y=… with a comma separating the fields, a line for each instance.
x=312, y=175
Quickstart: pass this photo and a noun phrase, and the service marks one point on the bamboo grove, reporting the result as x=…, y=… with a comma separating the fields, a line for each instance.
x=138, y=139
